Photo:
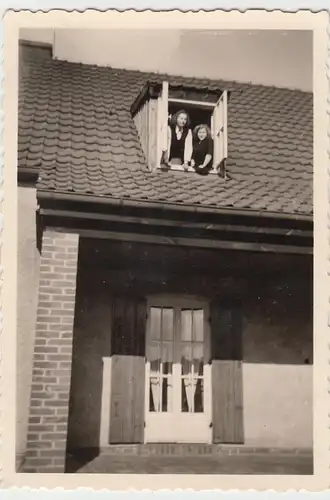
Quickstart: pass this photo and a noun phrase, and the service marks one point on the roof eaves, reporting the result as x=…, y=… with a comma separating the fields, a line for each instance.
x=43, y=194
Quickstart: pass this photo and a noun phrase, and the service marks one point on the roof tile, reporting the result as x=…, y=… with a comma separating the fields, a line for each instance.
x=75, y=123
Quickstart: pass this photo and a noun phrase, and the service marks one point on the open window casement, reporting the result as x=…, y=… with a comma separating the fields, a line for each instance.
x=212, y=112
x=162, y=114
x=219, y=131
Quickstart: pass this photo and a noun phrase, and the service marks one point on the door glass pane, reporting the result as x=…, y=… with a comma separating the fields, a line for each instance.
x=155, y=323
x=167, y=394
x=154, y=357
x=185, y=395
x=186, y=325
x=199, y=396
x=186, y=359
x=198, y=324
x=154, y=394
x=167, y=323
x=198, y=360
x=167, y=357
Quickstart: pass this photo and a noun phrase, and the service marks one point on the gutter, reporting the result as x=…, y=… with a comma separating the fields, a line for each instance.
x=124, y=202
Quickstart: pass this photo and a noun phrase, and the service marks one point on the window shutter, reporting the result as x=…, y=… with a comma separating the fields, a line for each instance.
x=220, y=133
x=227, y=384
x=128, y=370
x=162, y=114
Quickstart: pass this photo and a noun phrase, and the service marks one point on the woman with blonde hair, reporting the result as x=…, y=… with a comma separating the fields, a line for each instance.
x=202, y=154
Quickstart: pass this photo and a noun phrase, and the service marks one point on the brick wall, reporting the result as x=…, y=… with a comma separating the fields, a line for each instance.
x=49, y=403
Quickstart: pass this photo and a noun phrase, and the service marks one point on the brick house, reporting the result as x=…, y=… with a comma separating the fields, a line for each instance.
x=155, y=304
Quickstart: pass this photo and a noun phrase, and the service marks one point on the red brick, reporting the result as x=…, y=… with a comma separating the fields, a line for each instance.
x=67, y=320
x=40, y=342
x=46, y=268
x=63, y=396
x=71, y=263
x=38, y=412
x=50, y=304
x=66, y=335
x=32, y=453
x=43, y=428
x=52, y=453
x=60, y=328
x=47, y=254
x=64, y=282
x=59, y=461
x=44, y=296
x=56, y=289
x=62, y=411
x=60, y=342
x=64, y=298
x=66, y=350
x=39, y=444
x=64, y=380
x=46, y=380
x=61, y=312
x=44, y=283
x=47, y=364
x=58, y=373
x=58, y=357
x=39, y=357
x=65, y=365
x=55, y=403
x=65, y=243
x=44, y=349
x=38, y=462
x=63, y=269
x=36, y=387
x=59, y=436
x=57, y=419
x=41, y=328
x=33, y=436
x=54, y=277
x=42, y=395
x=36, y=402
x=60, y=445
x=34, y=420
x=46, y=319
x=63, y=256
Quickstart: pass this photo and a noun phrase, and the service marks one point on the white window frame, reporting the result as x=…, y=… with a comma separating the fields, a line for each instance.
x=219, y=126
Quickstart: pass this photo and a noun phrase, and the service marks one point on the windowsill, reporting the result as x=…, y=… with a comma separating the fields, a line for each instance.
x=189, y=169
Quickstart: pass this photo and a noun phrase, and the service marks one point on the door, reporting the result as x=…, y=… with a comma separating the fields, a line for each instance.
x=178, y=373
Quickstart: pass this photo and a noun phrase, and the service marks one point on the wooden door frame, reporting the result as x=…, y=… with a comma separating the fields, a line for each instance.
x=177, y=301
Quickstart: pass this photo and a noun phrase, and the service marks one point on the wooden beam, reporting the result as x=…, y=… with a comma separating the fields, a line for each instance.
x=177, y=223
x=192, y=242
x=198, y=104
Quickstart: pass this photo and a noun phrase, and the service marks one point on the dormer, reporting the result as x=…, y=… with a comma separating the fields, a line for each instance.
x=158, y=102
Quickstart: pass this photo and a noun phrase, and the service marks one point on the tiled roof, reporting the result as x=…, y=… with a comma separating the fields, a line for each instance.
x=75, y=125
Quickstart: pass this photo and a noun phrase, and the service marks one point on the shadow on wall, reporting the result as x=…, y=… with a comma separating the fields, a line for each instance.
x=278, y=322
x=90, y=344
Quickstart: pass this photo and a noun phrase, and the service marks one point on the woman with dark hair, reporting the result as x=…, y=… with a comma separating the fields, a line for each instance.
x=202, y=154
x=179, y=139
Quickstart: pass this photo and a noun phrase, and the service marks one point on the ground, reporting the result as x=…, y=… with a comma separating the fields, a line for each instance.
x=256, y=463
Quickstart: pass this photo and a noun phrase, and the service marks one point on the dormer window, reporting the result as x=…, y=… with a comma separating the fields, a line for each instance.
x=182, y=128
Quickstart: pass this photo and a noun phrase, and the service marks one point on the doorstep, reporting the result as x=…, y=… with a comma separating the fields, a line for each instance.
x=180, y=449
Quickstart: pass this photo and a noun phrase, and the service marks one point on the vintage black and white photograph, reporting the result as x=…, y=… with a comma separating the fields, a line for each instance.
x=165, y=251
